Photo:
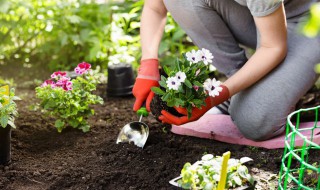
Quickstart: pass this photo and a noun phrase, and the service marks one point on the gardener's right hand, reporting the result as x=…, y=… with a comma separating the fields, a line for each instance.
x=148, y=77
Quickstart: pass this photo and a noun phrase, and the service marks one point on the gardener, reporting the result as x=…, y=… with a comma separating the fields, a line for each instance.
x=263, y=89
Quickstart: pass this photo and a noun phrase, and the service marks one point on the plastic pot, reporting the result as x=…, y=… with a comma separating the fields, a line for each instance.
x=120, y=80
x=5, y=144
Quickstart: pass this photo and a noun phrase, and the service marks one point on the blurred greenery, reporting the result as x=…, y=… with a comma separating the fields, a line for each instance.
x=58, y=34
x=50, y=35
x=312, y=27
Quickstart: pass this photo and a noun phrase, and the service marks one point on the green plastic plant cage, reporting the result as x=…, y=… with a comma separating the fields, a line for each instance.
x=297, y=171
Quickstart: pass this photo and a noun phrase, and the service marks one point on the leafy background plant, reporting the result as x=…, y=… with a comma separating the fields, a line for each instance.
x=38, y=37
x=205, y=174
x=71, y=108
x=8, y=108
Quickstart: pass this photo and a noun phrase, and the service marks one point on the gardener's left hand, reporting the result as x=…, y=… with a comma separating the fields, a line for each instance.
x=196, y=113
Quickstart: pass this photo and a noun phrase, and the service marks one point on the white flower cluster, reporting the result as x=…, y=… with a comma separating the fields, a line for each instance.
x=205, y=174
x=175, y=82
x=200, y=55
x=212, y=86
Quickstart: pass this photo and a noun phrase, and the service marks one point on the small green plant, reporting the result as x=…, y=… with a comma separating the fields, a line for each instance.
x=8, y=108
x=187, y=83
x=69, y=100
x=205, y=174
x=9, y=82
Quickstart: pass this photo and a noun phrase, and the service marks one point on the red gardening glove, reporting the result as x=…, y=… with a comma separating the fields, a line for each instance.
x=148, y=76
x=196, y=113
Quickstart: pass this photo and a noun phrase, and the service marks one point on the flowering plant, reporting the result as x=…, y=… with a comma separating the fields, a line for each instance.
x=8, y=108
x=69, y=100
x=187, y=83
x=205, y=174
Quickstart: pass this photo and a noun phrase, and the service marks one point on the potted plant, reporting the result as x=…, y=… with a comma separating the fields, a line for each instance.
x=69, y=100
x=185, y=84
x=205, y=174
x=8, y=112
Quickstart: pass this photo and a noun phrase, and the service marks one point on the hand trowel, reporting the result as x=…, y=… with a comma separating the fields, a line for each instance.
x=136, y=132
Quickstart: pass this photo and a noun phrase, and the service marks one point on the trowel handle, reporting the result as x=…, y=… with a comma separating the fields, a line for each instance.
x=143, y=110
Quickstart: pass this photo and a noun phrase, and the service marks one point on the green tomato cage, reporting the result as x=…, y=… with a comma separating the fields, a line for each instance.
x=296, y=172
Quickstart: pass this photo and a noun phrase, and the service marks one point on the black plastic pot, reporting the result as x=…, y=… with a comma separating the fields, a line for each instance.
x=5, y=144
x=120, y=80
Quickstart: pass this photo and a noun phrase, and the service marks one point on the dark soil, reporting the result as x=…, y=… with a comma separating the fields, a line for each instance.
x=42, y=158
x=157, y=105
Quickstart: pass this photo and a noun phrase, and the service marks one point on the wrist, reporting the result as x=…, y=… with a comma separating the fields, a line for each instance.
x=150, y=62
x=149, y=69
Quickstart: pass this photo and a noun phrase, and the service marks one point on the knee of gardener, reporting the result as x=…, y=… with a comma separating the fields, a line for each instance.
x=259, y=127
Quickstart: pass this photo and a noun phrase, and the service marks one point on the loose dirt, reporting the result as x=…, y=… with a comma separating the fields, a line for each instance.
x=42, y=158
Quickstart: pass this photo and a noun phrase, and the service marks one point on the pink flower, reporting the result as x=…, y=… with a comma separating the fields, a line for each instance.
x=196, y=87
x=84, y=65
x=58, y=74
x=82, y=68
x=69, y=85
x=48, y=82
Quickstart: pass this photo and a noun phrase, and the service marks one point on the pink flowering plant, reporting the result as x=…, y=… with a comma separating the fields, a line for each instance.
x=69, y=100
x=187, y=83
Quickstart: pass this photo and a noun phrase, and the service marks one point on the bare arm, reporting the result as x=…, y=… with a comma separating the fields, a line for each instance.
x=272, y=50
x=153, y=20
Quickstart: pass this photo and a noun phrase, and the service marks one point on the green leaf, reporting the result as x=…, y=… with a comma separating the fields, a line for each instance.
x=178, y=35
x=4, y=120
x=94, y=51
x=166, y=97
x=163, y=78
x=237, y=180
x=74, y=19
x=166, y=69
x=59, y=125
x=85, y=128
x=179, y=102
x=197, y=101
x=163, y=84
x=157, y=90
x=188, y=83
x=197, y=83
x=188, y=93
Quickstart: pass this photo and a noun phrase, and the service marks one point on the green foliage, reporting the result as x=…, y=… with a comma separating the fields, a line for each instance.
x=312, y=27
x=9, y=82
x=205, y=174
x=60, y=33
x=190, y=92
x=72, y=107
x=8, y=109
x=174, y=40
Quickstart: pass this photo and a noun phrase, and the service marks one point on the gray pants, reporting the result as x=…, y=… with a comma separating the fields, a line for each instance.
x=221, y=25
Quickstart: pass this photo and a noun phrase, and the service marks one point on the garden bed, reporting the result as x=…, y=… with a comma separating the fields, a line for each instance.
x=42, y=158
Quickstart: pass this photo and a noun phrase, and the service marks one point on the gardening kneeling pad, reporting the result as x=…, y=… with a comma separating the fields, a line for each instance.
x=221, y=128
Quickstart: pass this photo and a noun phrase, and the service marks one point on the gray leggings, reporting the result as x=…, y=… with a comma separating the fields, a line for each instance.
x=221, y=25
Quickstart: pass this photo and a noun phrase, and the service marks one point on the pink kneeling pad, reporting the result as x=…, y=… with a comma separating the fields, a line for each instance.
x=221, y=128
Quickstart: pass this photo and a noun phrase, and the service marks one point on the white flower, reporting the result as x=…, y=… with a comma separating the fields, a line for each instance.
x=212, y=86
x=194, y=56
x=212, y=68
x=207, y=157
x=173, y=83
x=206, y=56
x=181, y=76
